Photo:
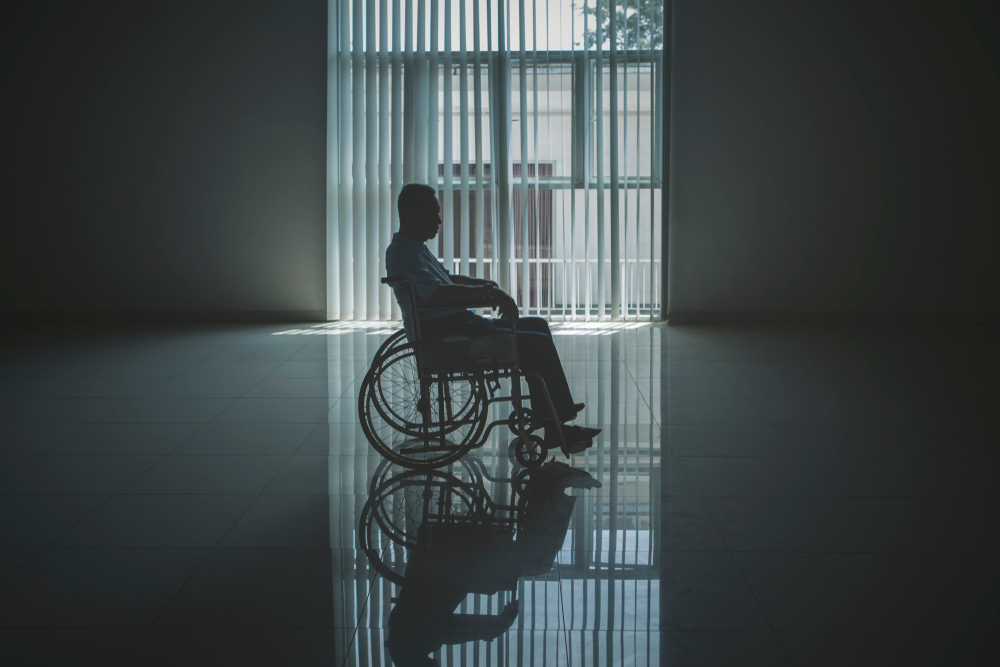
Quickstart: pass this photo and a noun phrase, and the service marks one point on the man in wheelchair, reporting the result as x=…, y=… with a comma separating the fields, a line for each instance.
x=435, y=287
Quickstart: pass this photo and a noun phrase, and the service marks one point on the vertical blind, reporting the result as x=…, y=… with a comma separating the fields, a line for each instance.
x=540, y=124
x=602, y=599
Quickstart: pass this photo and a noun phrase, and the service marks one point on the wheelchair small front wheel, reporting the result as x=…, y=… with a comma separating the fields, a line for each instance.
x=520, y=481
x=529, y=451
x=516, y=416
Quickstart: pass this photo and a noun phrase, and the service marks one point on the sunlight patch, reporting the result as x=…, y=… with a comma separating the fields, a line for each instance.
x=341, y=328
x=593, y=328
x=382, y=328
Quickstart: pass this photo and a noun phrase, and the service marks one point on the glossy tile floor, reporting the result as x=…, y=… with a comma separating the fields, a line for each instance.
x=770, y=495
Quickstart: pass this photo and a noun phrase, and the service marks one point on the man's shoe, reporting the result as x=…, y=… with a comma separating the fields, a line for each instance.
x=557, y=472
x=577, y=438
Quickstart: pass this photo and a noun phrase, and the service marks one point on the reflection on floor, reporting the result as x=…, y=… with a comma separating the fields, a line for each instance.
x=201, y=495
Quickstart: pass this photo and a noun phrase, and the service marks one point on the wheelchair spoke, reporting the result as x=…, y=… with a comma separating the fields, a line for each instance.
x=423, y=406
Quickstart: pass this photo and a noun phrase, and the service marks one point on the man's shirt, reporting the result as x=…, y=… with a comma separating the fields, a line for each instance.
x=414, y=261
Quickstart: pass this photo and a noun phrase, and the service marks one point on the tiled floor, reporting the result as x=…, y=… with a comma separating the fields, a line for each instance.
x=772, y=495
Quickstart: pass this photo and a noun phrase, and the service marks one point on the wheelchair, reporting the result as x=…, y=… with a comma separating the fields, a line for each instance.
x=424, y=509
x=424, y=404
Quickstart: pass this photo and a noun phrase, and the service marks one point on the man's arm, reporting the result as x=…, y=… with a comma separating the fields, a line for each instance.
x=462, y=295
x=472, y=282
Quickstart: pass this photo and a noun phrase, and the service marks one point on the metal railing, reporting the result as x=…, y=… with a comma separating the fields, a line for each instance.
x=565, y=288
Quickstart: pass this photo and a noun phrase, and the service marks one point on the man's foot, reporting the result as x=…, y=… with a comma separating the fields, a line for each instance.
x=566, y=476
x=578, y=407
x=577, y=438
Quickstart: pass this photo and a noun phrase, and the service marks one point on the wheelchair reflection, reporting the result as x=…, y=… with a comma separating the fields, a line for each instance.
x=440, y=536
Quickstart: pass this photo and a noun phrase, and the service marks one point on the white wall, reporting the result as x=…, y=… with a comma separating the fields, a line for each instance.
x=163, y=158
x=832, y=158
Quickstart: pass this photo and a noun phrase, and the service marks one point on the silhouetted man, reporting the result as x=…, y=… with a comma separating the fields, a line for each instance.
x=407, y=256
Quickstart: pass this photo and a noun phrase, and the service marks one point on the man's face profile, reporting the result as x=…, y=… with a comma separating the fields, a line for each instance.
x=428, y=217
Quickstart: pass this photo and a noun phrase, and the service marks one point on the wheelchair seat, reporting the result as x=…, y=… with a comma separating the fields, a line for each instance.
x=487, y=351
x=424, y=403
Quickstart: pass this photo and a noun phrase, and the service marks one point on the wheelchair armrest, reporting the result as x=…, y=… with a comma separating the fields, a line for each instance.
x=458, y=306
x=483, y=303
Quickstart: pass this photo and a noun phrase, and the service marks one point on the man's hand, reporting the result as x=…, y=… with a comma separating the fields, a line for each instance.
x=505, y=304
x=509, y=613
x=473, y=282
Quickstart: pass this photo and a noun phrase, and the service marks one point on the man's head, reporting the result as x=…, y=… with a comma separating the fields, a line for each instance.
x=419, y=212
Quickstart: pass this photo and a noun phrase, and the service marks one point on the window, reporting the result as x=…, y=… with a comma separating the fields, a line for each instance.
x=425, y=88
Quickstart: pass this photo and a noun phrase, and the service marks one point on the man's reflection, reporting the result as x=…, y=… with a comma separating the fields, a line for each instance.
x=452, y=560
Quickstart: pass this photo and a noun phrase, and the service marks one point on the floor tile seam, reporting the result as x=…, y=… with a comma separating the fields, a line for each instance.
x=782, y=456
x=60, y=535
x=31, y=458
x=889, y=425
x=774, y=632
x=853, y=501
x=161, y=494
x=299, y=349
x=65, y=381
x=879, y=634
x=210, y=551
x=798, y=451
x=128, y=356
x=314, y=550
x=846, y=497
x=169, y=602
x=732, y=558
x=16, y=569
x=800, y=552
x=176, y=627
x=165, y=379
x=371, y=585
x=634, y=383
x=105, y=419
x=158, y=462
x=743, y=396
x=779, y=552
x=729, y=550
x=14, y=406
x=330, y=407
x=954, y=469
x=251, y=503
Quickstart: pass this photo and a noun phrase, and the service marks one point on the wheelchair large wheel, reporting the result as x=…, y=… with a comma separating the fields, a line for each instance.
x=405, y=509
x=384, y=351
x=423, y=406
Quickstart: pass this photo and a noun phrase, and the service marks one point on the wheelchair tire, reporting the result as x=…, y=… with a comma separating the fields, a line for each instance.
x=397, y=515
x=377, y=547
x=530, y=452
x=423, y=406
x=385, y=349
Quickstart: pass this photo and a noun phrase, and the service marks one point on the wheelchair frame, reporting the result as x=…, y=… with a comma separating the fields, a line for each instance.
x=485, y=514
x=428, y=445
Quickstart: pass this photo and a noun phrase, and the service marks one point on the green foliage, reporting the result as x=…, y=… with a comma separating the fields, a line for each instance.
x=639, y=24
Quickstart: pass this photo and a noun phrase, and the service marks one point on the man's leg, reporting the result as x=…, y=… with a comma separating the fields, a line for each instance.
x=534, y=324
x=538, y=354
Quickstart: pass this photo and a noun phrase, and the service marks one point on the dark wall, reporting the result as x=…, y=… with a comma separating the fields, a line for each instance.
x=829, y=156
x=165, y=156
x=834, y=157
